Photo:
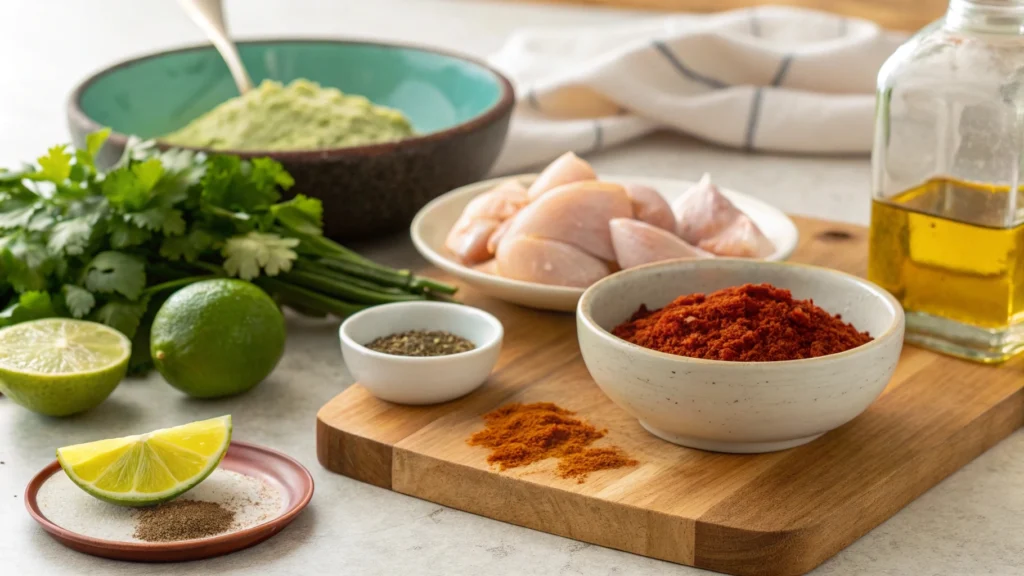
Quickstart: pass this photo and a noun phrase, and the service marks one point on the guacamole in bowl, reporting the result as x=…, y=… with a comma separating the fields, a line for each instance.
x=300, y=116
x=372, y=168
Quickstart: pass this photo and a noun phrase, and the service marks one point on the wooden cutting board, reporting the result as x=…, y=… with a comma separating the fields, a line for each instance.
x=780, y=513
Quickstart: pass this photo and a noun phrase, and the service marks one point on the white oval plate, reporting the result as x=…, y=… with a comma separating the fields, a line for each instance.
x=432, y=223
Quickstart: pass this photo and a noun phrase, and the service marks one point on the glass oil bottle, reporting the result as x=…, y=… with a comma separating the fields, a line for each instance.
x=947, y=218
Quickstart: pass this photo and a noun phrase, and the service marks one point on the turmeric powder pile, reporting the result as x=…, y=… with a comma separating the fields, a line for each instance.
x=521, y=434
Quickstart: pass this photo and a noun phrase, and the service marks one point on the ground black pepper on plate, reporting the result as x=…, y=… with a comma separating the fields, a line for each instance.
x=421, y=343
x=183, y=520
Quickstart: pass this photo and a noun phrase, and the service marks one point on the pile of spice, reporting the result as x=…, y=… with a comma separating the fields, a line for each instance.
x=521, y=434
x=183, y=520
x=749, y=323
x=421, y=343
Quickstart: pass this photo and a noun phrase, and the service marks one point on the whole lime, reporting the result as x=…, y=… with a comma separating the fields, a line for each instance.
x=217, y=338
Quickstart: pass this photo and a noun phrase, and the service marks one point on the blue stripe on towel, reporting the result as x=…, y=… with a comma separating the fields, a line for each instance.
x=755, y=113
x=780, y=74
x=531, y=99
x=598, y=137
x=755, y=24
x=684, y=70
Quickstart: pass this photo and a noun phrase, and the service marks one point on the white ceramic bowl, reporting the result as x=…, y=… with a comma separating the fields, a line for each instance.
x=421, y=380
x=743, y=407
x=432, y=223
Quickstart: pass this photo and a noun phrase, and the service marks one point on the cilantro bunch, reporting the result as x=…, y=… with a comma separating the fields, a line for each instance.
x=110, y=247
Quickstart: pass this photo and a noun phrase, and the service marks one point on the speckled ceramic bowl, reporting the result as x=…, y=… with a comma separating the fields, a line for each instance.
x=459, y=107
x=740, y=407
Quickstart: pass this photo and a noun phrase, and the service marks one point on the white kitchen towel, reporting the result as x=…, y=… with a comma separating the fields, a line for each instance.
x=767, y=78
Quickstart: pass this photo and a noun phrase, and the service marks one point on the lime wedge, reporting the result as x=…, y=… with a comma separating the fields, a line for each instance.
x=149, y=468
x=59, y=366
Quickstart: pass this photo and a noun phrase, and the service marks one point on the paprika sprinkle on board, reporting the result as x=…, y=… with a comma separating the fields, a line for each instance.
x=749, y=323
x=521, y=434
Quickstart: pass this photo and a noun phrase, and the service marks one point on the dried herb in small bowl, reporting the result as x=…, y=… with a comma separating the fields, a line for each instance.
x=421, y=343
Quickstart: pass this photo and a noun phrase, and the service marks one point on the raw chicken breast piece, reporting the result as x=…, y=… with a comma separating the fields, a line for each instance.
x=638, y=243
x=489, y=267
x=496, y=236
x=481, y=217
x=566, y=169
x=469, y=244
x=651, y=207
x=742, y=239
x=500, y=203
x=547, y=261
x=576, y=214
x=703, y=212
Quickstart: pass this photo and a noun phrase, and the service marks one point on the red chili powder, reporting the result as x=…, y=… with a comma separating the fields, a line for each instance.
x=749, y=323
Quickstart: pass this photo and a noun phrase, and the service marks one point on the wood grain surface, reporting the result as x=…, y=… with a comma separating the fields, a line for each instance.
x=905, y=15
x=781, y=513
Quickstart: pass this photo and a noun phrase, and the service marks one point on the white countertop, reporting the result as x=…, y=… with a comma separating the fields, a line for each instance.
x=972, y=523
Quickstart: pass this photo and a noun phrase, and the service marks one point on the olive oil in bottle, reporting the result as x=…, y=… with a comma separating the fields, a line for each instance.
x=947, y=185
x=944, y=250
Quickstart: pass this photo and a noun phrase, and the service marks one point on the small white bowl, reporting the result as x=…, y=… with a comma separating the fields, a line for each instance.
x=421, y=379
x=742, y=407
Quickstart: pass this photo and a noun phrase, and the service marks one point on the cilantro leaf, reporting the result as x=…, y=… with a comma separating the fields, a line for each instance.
x=150, y=219
x=183, y=170
x=42, y=220
x=78, y=300
x=300, y=214
x=79, y=170
x=268, y=173
x=94, y=142
x=159, y=218
x=128, y=187
x=123, y=189
x=85, y=158
x=121, y=315
x=173, y=224
x=116, y=272
x=70, y=236
x=16, y=214
x=171, y=189
x=148, y=173
x=24, y=262
x=237, y=186
x=246, y=255
x=30, y=305
x=55, y=166
x=188, y=246
x=125, y=235
x=94, y=206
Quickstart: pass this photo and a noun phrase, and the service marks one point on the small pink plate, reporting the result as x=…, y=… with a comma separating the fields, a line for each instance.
x=269, y=465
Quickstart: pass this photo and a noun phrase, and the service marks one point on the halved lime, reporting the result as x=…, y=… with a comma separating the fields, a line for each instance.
x=59, y=366
x=149, y=468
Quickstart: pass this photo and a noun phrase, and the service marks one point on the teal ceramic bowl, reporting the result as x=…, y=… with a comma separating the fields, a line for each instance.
x=460, y=109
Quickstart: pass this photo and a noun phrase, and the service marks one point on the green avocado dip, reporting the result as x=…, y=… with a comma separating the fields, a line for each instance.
x=300, y=116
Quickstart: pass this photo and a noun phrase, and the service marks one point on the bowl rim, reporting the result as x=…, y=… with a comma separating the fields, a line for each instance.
x=583, y=313
x=490, y=115
x=476, y=315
